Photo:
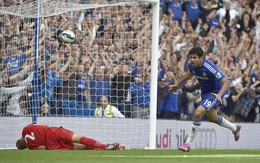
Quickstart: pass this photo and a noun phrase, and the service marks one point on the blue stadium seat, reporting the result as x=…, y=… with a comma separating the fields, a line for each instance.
x=75, y=109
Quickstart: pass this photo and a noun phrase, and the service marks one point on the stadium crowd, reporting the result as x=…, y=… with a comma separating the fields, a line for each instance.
x=111, y=57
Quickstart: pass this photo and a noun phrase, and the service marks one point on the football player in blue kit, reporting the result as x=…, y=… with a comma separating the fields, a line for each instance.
x=213, y=86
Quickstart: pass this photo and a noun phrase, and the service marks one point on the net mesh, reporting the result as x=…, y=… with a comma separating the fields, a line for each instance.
x=108, y=63
x=50, y=8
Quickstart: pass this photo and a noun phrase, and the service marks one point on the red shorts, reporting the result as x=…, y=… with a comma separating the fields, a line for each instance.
x=59, y=138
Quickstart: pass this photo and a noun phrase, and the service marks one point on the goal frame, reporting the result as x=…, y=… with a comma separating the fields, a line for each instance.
x=154, y=67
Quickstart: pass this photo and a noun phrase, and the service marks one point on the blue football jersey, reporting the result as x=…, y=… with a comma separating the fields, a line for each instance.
x=16, y=63
x=82, y=84
x=209, y=77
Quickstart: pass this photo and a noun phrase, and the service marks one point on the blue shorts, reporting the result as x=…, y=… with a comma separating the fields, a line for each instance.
x=209, y=101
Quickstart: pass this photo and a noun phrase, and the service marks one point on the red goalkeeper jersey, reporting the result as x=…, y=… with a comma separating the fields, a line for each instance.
x=50, y=137
x=35, y=135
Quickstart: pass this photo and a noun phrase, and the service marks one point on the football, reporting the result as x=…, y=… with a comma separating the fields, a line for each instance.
x=67, y=36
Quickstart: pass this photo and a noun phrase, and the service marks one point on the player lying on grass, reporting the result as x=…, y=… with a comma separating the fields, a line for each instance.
x=40, y=137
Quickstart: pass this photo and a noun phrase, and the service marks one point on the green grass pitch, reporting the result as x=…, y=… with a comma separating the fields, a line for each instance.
x=130, y=156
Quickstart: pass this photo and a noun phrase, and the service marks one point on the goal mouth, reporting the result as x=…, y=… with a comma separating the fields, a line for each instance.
x=98, y=85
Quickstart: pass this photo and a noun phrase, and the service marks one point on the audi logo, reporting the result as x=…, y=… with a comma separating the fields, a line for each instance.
x=206, y=139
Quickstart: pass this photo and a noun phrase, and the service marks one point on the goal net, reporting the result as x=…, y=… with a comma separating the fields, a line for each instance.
x=98, y=86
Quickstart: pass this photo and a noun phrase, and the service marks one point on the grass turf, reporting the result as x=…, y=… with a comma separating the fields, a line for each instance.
x=130, y=156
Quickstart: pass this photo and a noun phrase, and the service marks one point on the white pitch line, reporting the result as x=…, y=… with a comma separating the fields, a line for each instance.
x=256, y=156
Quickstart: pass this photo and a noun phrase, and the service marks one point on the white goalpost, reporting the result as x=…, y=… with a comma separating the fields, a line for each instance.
x=112, y=64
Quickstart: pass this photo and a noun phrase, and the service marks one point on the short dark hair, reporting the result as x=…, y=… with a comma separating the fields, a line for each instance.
x=196, y=50
x=20, y=144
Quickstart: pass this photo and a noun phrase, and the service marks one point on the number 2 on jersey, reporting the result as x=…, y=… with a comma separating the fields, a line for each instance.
x=32, y=137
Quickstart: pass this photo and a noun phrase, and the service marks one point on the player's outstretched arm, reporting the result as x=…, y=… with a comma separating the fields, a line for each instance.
x=174, y=87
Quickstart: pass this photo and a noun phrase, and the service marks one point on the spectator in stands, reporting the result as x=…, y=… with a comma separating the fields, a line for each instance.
x=140, y=93
x=14, y=107
x=99, y=85
x=68, y=89
x=193, y=12
x=162, y=85
x=24, y=44
x=105, y=110
x=206, y=8
x=246, y=104
x=52, y=53
x=5, y=91
x=82, y=87
x=225, y=13
x=69, y=86
x=16, y=59
x=175, y=7
x=65, y=65
x=161, y=95
x=170, y=100
x=25, y=105
x=202, y=28
x=172, y=106
x=257, y=104
x=212, y=20
x=246, y=22
x=163, y=6
x=2, y=56
x=234, y=95
x=50, y=77
x=256, y=19
x=120, y=83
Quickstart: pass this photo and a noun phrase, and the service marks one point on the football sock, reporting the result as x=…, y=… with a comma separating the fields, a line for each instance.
x=195, y=128
x=225, y=123
x=91, y=143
